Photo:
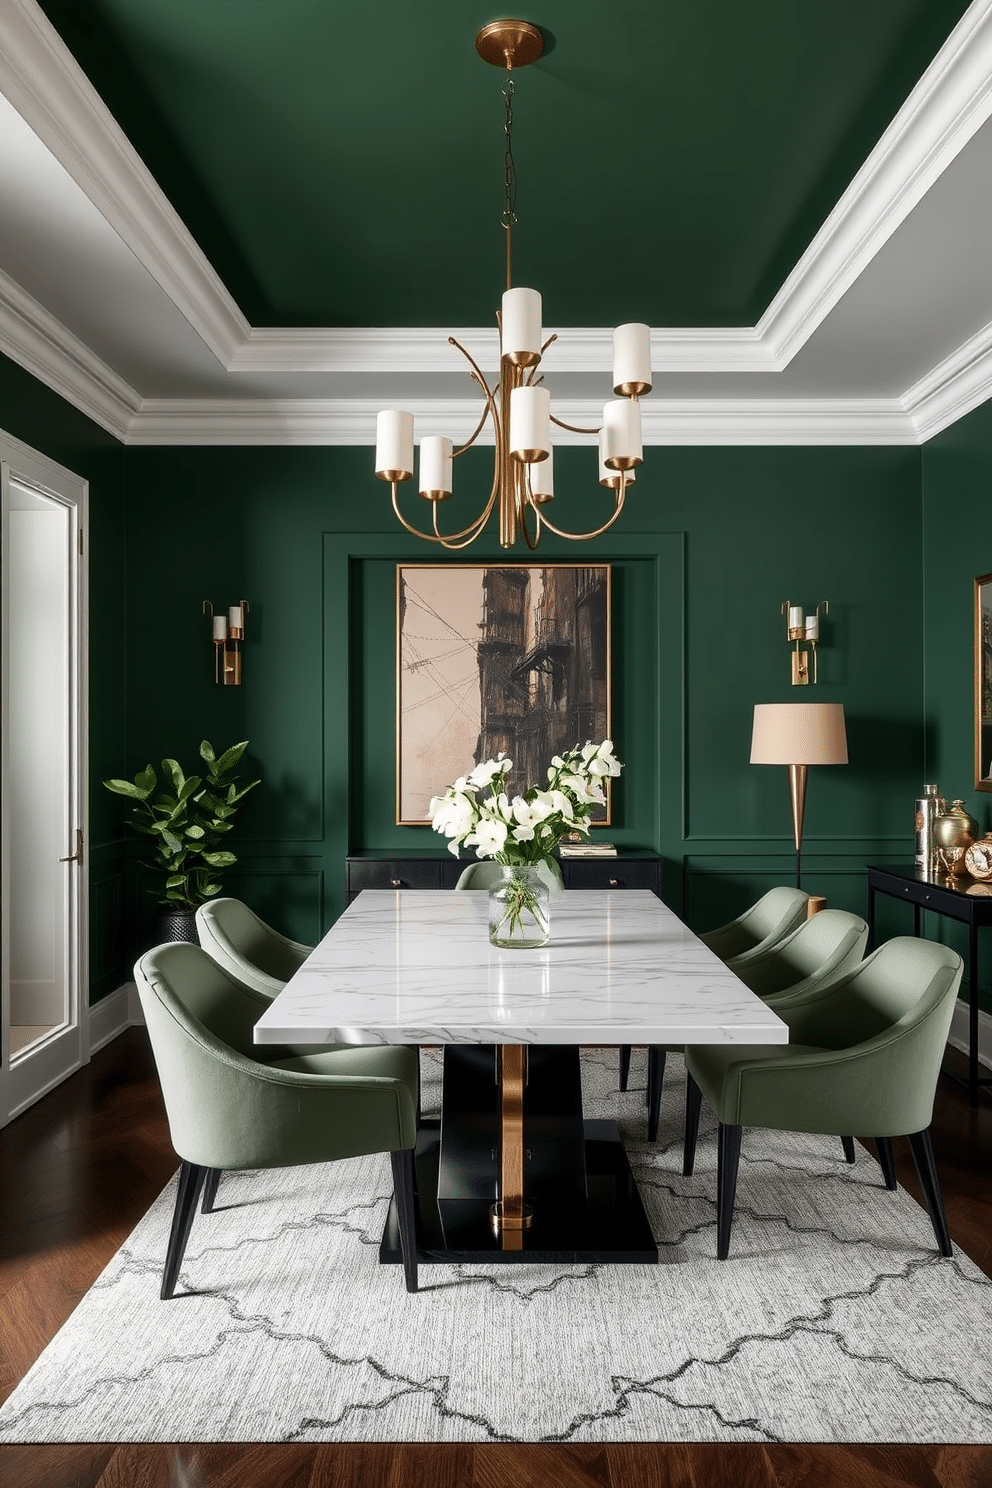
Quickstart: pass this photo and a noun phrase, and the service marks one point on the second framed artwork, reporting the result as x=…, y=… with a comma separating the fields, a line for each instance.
x=983, y=682
x=497, y=657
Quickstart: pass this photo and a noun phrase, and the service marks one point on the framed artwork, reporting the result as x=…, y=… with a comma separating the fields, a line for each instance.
x=983, y=682
x=496, y=656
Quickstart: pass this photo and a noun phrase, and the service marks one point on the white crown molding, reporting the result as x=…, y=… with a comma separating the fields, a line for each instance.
x=46, y=85
x=314, y=421
x=949, y=104
x=40, y=344
x=953, y=388
x=427, y=349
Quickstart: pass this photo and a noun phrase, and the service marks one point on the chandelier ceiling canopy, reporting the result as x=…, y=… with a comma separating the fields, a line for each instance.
x=518, y=406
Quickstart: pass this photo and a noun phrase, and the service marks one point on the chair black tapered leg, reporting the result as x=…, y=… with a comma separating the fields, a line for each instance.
x=656, y=1079
x=624, y=1065
x=926, y=1171
x=728, y=1160
x=210, y=1182
x=883, y=1146
x=848, y=1143
x=693, y=1101
x=402, y=1166
x=190, y=1183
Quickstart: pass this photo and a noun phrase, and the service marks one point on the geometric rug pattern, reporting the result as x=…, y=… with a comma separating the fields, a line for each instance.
x=833, y=1320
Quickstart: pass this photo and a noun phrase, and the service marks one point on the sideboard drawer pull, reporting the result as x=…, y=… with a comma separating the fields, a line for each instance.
x=614, y=883
x=397, y=883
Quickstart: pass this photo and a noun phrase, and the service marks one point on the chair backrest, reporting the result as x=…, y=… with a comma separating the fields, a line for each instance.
x=775, y=915
x=248, y=948
x=483, y=875
x=895, y=1011
x=830, y=944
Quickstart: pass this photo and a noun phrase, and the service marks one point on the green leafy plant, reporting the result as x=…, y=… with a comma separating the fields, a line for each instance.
x=187, y=823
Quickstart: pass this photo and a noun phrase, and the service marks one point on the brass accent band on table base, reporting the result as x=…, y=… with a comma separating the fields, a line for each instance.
x=510, y=1215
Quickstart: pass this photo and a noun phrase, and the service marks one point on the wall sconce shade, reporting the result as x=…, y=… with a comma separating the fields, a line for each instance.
x=227, y=633
x=798, y=735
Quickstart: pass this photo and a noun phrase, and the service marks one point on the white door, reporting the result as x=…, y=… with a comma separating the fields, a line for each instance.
x=44, y=1023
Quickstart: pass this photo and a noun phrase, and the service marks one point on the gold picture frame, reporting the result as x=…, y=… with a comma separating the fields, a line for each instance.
x=983, y=682
x=497, y=656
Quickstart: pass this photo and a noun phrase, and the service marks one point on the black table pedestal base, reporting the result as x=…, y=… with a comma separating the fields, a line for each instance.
x=576, y=1175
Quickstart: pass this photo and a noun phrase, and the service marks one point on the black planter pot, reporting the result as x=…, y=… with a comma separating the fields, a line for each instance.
x=177, y=924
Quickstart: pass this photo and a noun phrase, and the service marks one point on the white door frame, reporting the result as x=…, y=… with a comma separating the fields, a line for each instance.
x=53, y=1058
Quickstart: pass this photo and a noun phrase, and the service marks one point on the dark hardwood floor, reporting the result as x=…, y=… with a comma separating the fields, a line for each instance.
x=80, y=1168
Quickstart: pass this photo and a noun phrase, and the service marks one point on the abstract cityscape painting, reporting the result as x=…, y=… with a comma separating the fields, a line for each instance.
x=496, y=656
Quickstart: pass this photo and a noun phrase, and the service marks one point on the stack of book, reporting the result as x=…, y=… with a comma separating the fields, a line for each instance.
x=587, y=850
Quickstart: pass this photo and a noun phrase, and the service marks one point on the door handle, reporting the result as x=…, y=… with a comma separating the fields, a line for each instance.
x=77, y=856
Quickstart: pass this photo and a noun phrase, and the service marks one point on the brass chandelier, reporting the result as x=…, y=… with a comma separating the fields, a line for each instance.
x=519, y=407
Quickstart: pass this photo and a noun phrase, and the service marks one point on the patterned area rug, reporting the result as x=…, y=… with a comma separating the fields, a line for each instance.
x=833, y=1320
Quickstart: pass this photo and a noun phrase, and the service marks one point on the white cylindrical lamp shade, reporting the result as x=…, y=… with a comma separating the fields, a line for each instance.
x=799, y=734
x=796, y=620
x=394, y=445
x=632, y=359
x=622, y=446
x=541, y=478
x=812, y=627
x=530, y=424
x=220, y=628
x=435, y=467
x=611, y=478
x=520, y=327
x=235, y=617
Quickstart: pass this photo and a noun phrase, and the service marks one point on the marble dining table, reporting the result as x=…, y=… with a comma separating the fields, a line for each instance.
x=510, y=1170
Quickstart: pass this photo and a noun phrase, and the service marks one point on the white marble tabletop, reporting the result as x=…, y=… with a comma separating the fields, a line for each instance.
x=415, y=966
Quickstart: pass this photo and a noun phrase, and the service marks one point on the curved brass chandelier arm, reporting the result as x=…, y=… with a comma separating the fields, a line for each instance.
x=475, y=434
x=597, y=531
x=447, y=540
x=450, y=541
x=572, y=428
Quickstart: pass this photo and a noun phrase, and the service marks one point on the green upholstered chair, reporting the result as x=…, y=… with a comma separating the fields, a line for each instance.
x=483, y=875
x=864, y=1055
x=822, y=950
x=255, y=954
x=774, y=916
x=231, y=1107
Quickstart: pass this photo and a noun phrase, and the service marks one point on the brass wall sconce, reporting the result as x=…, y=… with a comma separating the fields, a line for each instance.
x=228, y=633
x=804, y=632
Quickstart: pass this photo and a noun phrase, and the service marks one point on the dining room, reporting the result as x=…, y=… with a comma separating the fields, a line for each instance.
x=652, y=1303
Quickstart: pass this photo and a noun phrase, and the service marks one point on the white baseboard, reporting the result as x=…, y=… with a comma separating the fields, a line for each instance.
x=110, y=1016
x=958, y=1036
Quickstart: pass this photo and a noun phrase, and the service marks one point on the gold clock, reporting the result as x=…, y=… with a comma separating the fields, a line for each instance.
x=978, y=858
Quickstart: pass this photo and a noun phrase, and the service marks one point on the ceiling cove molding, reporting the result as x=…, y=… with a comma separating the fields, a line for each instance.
x=666, y=422
x=427, y=349
x=951, y=101
x=953, y=388
x=40, y=344
x=46, y=85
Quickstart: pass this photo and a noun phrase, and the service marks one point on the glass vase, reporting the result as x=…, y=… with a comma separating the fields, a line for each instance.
x=519, y=909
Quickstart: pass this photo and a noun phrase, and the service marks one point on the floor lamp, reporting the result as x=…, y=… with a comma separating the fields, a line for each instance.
x=798, y=735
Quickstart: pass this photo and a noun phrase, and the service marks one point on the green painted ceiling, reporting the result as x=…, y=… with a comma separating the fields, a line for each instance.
x=343, y=165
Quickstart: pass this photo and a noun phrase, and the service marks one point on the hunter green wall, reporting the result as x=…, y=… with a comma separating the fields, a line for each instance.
x=43, y=420
x=711, y=544
x=957, y=547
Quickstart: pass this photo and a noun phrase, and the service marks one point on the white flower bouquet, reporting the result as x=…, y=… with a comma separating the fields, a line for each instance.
x=517, y=833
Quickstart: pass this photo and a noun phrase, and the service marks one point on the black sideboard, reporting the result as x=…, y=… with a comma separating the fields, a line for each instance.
x=374, y=869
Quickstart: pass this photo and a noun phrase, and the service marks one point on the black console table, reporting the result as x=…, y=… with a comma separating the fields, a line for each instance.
x=374, y=869
x=958, y=900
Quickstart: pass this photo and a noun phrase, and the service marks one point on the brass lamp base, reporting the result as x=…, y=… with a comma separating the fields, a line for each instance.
x=509, y=44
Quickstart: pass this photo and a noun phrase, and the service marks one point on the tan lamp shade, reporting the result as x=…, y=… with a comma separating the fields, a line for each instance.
x=799, y=734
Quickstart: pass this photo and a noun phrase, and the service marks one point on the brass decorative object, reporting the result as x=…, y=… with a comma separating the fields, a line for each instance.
x=978, y=857
x=228, y=632
x=928, y=807
x=517, y=406
x=802, y=631
x=953, y=833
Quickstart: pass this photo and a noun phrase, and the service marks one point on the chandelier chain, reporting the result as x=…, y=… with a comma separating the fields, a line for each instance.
x=509, y=215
